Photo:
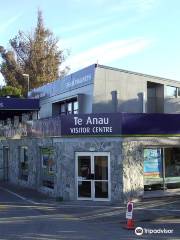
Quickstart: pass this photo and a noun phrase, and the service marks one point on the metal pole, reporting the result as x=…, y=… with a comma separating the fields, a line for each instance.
x=27, y=75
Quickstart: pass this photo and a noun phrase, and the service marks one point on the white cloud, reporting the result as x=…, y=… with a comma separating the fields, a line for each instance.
x=81, y=38
x=146, y=5
x=83, y=25
x=142, y=6
x=107, y=53
x=10, y=21
x=96, y=2
x=109, y=11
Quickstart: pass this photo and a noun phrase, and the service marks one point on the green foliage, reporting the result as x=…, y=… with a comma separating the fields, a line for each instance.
x=36, y=54
x=10, y=91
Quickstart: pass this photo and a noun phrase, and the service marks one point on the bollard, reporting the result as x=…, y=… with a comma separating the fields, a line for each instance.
x=129, y=216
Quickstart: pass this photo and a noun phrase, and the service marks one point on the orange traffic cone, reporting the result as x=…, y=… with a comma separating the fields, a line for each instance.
x=130, y=224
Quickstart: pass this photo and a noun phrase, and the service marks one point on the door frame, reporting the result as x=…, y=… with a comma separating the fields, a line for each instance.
x=92, y=154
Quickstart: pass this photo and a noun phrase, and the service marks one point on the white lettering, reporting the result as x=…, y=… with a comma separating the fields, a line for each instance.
x=88, y=121
x=77, y=121
x=79, y=130
x=75, y=81
x=95, y=121
x=157, y=231
x=102, y=129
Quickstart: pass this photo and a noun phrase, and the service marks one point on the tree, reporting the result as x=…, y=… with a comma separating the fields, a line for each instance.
x=10, y=91
x=10, y=69
x=35, y=54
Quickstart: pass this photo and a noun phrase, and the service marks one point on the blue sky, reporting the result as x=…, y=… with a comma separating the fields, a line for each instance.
x=136, y=35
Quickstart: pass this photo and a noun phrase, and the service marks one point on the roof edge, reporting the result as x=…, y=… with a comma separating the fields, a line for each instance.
x=136, y=73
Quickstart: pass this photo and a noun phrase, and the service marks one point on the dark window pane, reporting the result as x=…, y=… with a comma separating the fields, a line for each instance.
x=101, y=167
x=101, y=189
x=84, y=166
x=25, y=155
x=48, y=184
x=172, y=162
x=84, y=189
x=23, y=164
x=178, y=92
x=69, y=106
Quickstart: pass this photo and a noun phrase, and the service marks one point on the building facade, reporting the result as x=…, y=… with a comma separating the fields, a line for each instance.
x=104, y=134
x=100, y=89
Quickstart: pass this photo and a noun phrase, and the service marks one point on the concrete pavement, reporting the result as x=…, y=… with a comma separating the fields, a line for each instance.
x=26, y=214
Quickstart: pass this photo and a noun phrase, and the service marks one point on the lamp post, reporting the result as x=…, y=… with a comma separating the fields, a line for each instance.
x=27, y=75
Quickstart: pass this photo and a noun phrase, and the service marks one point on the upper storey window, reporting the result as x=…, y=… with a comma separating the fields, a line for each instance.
x=171, y=91
x=69, y=107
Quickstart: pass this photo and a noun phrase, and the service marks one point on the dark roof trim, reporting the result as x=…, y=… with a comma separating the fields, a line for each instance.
x=18, y=104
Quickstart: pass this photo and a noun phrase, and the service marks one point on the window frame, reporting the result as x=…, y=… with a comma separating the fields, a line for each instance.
x=176, y=92
x=69, y=102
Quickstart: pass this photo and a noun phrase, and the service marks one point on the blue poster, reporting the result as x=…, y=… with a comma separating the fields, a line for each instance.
x=152, y=162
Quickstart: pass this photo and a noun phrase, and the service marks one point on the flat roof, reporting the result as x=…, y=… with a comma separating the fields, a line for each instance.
x=136, y=73
x=25, y=104
x=84, y=77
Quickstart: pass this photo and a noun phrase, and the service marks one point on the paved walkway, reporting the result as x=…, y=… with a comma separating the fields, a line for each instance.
x=161, y=193
x=27, y=214
x=149, y=209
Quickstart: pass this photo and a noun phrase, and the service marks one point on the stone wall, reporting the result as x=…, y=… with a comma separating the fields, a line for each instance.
x=64, y=155
x=126, y=163
x=132, y=156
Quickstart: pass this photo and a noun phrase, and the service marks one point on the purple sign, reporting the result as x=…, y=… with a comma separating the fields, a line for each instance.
x=18, y=104
x=102, y=124
x=91, y=124
x=116, y=124
x=150, y=124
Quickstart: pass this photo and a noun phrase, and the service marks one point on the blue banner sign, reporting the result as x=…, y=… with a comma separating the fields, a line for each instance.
x=91, y=124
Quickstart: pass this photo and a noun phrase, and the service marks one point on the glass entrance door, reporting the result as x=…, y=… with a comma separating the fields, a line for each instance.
x=92, y=171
